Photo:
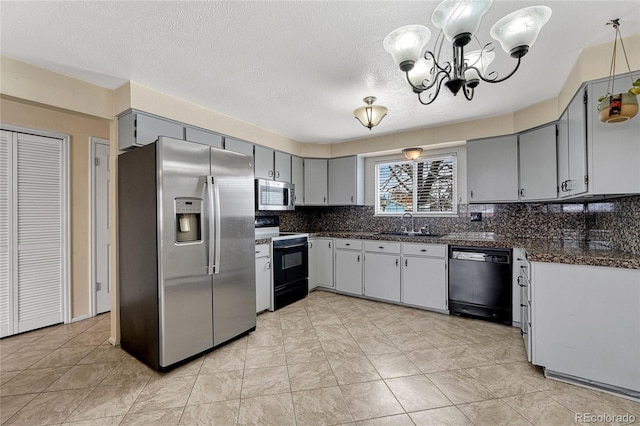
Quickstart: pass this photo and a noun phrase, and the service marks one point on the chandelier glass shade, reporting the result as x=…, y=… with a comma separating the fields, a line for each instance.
x=458, y=21
x=370, y=115
x=412, y=153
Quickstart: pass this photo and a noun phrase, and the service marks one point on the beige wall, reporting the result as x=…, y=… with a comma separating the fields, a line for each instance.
x=80, y=128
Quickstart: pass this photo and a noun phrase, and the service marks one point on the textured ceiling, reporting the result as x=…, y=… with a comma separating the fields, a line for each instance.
x=297, y=68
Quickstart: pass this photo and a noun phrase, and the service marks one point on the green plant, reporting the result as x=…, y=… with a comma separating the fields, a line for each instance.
x=634, y=90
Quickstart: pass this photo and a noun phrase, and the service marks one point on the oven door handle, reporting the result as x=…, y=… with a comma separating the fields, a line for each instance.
x=290, y=246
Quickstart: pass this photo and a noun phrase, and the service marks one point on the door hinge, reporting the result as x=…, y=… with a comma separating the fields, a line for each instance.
x=585, y=97
x=97, y=161
x=98, y=286
x=586, y=179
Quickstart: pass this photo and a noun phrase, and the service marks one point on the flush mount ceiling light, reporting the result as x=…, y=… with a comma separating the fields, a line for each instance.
x=370, y=115
x=458, y=21
x=412, y=153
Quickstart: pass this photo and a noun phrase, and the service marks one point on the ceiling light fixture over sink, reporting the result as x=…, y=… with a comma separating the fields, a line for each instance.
x=370, y=115
x=412, y=153
x=458, y=21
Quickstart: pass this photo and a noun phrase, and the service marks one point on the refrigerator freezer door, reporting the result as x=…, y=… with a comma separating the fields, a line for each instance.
x=185, y=289
x=234, y=286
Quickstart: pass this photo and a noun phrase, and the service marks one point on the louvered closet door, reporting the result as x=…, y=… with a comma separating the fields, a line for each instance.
x=39, y=272
x=6, y=295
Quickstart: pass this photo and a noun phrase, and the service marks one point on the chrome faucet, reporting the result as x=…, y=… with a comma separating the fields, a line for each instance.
x=403, y=226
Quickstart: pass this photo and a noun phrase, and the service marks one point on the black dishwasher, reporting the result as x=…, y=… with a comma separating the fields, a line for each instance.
x=480, y=283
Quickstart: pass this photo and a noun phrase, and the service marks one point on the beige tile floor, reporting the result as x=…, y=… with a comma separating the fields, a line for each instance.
x=326, y=360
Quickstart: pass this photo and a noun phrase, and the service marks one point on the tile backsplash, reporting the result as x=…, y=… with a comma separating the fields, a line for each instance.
x=612, y=223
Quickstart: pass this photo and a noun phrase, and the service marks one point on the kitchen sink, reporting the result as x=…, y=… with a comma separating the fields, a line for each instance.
x=408, y=234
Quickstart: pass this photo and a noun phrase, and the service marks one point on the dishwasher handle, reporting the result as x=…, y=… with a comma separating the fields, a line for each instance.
x=481, y=257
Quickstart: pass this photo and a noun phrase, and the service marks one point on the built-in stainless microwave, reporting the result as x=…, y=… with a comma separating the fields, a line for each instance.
x=274, y=195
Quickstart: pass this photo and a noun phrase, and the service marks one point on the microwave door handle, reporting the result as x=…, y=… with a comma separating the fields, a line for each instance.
x=214, y=225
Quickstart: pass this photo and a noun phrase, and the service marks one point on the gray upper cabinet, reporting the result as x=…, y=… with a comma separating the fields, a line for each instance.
x=138, y=129
x=274, y=165
x=537, y=157
x=236, y=145
x=282, y=167
x=202, y=136
x=614, y=160
x=346, y=181
x=492, y=169
x=315, y=182
x=297, y=178
x=264, y=162
x=572, y=148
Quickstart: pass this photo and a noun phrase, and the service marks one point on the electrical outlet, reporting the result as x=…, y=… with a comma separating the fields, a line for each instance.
x=476, y=217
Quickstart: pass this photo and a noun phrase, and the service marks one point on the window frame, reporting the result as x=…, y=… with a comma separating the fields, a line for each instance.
x=445, y=156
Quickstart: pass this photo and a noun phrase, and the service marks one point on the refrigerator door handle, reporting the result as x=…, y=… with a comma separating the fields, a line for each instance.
x=214, y=225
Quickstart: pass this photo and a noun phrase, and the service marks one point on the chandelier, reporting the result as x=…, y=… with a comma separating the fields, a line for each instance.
x=458, y=21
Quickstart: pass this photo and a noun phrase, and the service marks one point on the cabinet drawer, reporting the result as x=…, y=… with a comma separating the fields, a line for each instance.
x=348, y=244
x=262, y=250
x=431, y=250
x=382, y=246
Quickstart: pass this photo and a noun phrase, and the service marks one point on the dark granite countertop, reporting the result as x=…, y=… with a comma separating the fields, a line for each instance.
x=538, y=249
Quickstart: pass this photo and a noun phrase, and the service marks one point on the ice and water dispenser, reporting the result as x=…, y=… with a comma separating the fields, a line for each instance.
x=188, y=220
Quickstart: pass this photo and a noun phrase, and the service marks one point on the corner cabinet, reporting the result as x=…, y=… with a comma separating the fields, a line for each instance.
x=315, y=182
x=492, y=169
x=346, y=181
x=573, y=178
x=614, y=162
x=297, y=179
x=537, y=160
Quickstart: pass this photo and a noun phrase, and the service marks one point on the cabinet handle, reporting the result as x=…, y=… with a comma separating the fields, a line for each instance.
x=524, y=306
x=396, y=262
x=268, y=265
x=329, y=244
x=406, y=262
x=324, y=199
x=310, y=244
x=423, y=250
x=277, y=174
x=347, y=244
x=352, y=198
x=270, y=173
x=471, y=194
x=358, y=258
x=381, y=247
x=522, y=192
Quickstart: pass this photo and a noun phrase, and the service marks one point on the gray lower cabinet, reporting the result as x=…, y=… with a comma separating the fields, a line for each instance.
x=324, y=261
x=297, y=179
x=136, y=128
x=313, y=263
x=424, y=275
x=492, y=169
x=537, y=158
x=348, y=266
x=263, y=277
x=315, y=182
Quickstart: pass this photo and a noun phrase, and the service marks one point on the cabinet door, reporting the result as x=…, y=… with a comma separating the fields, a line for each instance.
x=342, y=181
x=492, y=169
x=138, y=129
x=202, y=136
x=382, y=276
x=325, y=261
x=297, y=179
x=538, y=176
x=562, y=154
x=425, y=282
x=283, y=167
x=263, y=284
x=236, y=145
x=313, y=263
x=315, y=182
x=615, y=151
x=349, y=271
x=263, y=162
x=577, y=127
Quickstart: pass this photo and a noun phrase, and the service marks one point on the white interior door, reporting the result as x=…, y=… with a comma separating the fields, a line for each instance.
x=101, y=241
x=40, y=212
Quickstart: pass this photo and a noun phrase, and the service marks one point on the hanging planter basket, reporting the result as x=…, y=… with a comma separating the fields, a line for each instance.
x=618, y=108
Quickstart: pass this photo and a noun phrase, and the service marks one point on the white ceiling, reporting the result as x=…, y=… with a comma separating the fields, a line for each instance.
x=296, y=68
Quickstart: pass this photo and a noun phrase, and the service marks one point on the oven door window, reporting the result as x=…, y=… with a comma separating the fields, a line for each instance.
x=290, y=264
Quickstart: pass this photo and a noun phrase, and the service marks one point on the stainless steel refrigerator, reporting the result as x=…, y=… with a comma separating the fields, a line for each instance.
x=186, y=248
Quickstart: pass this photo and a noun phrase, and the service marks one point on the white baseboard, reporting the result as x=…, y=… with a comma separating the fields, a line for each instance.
x=80, y=318
x=113, y=342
